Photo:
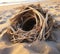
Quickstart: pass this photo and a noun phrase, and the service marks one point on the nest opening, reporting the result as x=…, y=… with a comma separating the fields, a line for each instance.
x=29, y=24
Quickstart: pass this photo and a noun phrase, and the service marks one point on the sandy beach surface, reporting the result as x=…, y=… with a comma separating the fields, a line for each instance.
x=37, y=47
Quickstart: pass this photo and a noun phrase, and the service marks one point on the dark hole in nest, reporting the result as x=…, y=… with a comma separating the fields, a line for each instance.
x=29, y=24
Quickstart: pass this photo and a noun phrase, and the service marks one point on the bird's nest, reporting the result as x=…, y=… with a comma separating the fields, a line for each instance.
x=30, y=24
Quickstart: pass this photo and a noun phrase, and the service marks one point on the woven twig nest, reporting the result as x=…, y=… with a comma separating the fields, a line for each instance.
x=30, y=24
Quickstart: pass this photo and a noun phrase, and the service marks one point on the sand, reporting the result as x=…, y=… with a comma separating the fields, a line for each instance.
x=37, y=47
